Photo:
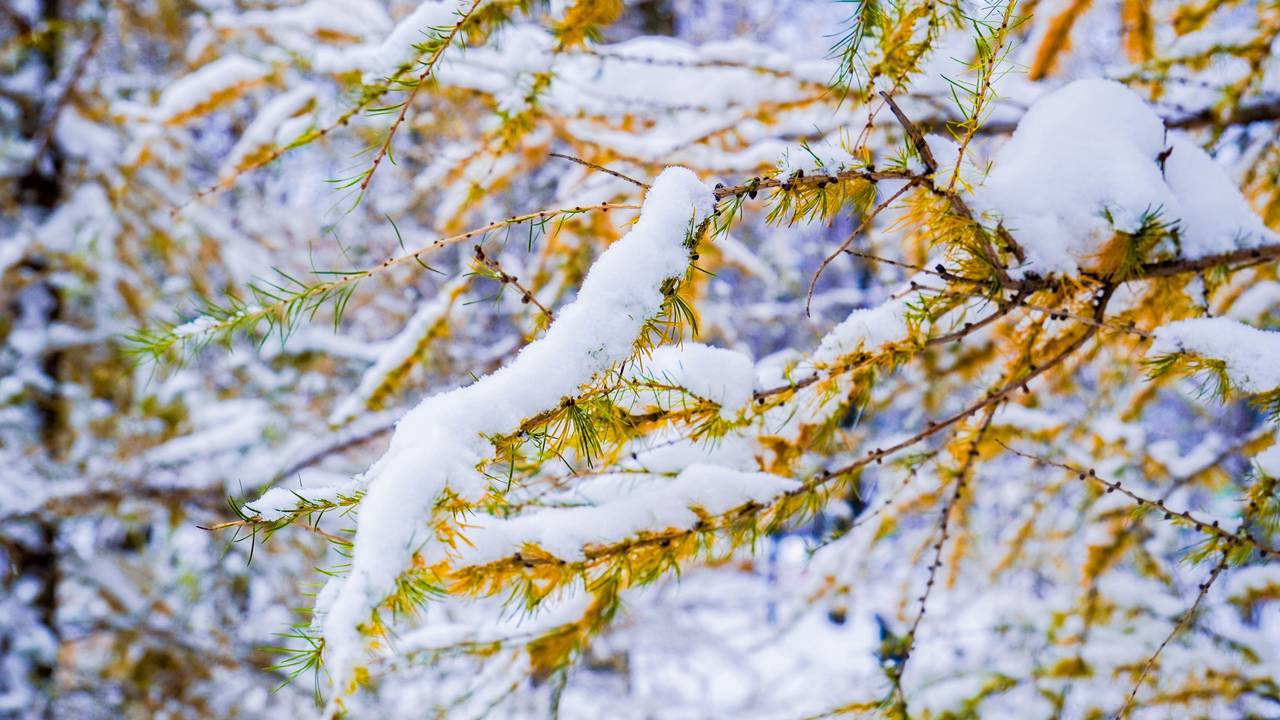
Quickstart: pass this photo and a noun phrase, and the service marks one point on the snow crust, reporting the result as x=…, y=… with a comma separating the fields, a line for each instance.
x=866, y=328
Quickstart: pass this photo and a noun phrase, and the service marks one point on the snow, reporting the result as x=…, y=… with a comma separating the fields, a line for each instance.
x=385, y=59
x=1213, y=216
x=280, y=502
x=265, y=129
x=866, y=329
x=821, y=157
x=440, y=443
x=203, y=324
x=80, y=137
x=195, y=326
x=660, y=506
x=737, y=253
x=234, y=425
x=1252, y=356
x=1268, y=461
x=12, y=249
x=552, y=613
x=348, y=17
x=399, y=350
x=150, y=455
x=1255, y=578
x=1025, y=418
x=667, y=452
x=946, y=152
x=80, y=221
x=722, y=376
x=1183, y=465
x=1084, y=163
x=1256, y=302
x=220, y=76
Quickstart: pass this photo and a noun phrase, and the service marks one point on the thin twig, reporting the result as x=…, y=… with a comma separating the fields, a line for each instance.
x=252, y=522
x=351, y=278
x=1212, y=527
x=981, y=98
x=863, y=225
x=429, y=68
x=1051, y=312
x=756, y=184
x=526, y=295
x=601, y=168
x=914, y=134
x=962, y=477
x=1182, y=624
x=958, y=205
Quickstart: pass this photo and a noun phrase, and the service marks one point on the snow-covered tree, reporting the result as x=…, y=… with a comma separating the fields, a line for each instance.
x=637, y=359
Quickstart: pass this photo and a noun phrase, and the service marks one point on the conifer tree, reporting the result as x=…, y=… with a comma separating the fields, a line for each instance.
x=674, y=358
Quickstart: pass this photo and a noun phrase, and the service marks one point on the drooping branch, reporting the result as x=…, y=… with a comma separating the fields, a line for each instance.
x=429, y=67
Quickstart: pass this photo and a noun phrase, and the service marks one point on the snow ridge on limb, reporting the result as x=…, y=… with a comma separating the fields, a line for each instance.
x=438, y=445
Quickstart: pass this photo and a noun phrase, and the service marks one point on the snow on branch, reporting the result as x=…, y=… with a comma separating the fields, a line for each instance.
x=1092, y=160
x=699, y=490
x=214, y=84
x=966, y=309
x=396, y=359
x=439, y=445
x=1236, y=356
x=276, y=124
